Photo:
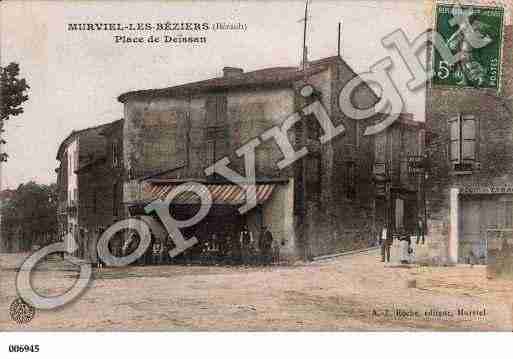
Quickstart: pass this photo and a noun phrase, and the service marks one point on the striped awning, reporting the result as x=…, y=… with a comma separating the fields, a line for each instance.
x=225, y=194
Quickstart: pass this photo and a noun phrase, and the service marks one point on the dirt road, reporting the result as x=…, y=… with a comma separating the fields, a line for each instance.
x=355, y=292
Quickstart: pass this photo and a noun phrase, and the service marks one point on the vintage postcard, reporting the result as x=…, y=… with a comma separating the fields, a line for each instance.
x=300, y=166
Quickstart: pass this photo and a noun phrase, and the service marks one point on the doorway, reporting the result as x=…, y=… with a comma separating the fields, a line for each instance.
x=483, y=219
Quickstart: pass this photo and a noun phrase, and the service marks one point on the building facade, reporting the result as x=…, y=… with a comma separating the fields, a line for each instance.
x=321, y=204
x=89, y=185
x=399, y=198
x=469, y=189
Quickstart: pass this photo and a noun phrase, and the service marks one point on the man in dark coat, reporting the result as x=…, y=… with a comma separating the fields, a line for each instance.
x=266, y=242
x=246, y=244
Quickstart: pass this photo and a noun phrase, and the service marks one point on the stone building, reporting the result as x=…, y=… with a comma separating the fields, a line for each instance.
x=89, y=180
x=470, y=179
x=322, y=203
x=399, y=200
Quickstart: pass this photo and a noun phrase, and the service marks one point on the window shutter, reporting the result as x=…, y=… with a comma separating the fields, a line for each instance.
x=454, y=128
x=469, y=132
x=380, y=147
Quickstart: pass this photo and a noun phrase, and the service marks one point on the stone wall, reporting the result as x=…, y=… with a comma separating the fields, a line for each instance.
x=334, y=217
x=495, y=149
x=167, y=133
x=340, y=220
x=100, y=184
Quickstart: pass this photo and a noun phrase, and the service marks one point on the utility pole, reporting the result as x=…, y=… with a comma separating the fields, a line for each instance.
x=305, y=49
x=304, y=214
x=338, y=39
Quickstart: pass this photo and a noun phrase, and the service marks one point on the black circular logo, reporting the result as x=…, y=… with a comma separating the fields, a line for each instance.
x=21, y=312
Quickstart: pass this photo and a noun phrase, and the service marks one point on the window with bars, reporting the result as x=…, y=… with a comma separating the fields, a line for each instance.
x=115, y=154
x=463, y=141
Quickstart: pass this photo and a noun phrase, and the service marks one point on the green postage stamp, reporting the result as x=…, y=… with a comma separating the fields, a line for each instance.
x=478, y=67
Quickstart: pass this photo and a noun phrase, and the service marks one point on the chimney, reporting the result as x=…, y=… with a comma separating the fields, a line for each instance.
x=232, y=72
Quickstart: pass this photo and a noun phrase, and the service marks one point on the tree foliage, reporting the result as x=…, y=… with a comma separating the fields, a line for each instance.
x=13, y=94
x=33, y=208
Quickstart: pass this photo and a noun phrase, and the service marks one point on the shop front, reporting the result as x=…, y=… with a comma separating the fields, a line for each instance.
x=481, y=223
x=220, y=232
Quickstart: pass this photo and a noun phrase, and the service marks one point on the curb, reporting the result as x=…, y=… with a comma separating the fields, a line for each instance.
x=334, y=255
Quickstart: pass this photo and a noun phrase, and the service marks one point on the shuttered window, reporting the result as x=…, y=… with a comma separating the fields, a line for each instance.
x=454, y=128
x=468, y=138
x=380, y=147
x=463, y=138
x=216, y=129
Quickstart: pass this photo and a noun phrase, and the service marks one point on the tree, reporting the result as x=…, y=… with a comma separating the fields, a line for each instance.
x=12, y=96
x=33, y=209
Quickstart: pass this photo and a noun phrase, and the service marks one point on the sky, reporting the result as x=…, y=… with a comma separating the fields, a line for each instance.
x=76, y=77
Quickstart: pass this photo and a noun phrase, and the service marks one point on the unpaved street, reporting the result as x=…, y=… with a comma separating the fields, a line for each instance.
x=354, y=292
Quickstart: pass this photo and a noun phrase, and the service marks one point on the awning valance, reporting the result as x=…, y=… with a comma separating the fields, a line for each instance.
x=221, y=194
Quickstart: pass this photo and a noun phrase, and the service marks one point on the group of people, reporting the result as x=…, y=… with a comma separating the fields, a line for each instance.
x=386, y=238
x=244, y=249
x=247, y=250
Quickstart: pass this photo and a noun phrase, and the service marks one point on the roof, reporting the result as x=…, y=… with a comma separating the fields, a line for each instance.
x=221, y=194
x=74, y=133
x=273, y=76
x=108, y=129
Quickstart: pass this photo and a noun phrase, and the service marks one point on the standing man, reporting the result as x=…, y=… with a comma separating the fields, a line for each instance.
x=275, y=247
x=246, y=243
x=266, y=242
x=386, y=243
x=420, y=229
x=405, y=246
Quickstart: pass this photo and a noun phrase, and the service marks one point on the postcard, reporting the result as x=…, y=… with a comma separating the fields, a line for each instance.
x=242, y=166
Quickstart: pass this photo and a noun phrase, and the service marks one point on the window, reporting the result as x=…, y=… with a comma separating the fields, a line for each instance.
x=216, y=128
x=380, y=146
x=211, y=151
x=463, y=141
x=115, y=154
